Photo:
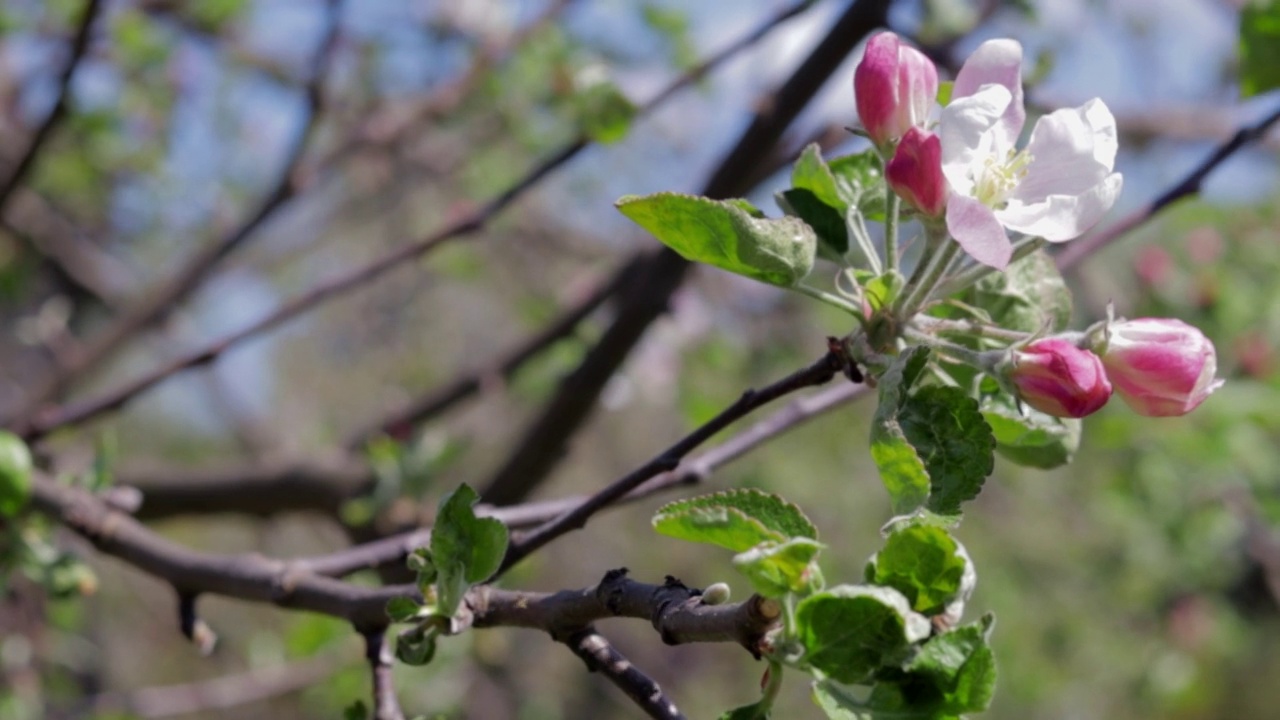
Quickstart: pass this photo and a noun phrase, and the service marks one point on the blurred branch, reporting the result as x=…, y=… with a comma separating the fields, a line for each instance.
x=41, y=423
x=79, y=46
x=601, y=656
x=192, y=627
x=172, y=291
x=386, y=706
x=818, y=373
x=1077, y=251
x=442, y=398
x=221, y=693
x=657, y=275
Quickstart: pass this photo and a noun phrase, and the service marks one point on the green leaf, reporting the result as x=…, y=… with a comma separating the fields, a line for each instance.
x=860, y=183
x=777, y=569
x=604, y=112
x=1030, y=438
x=1029, y=296
x=961, y=665
x=416, y=647
x=754, y=711
x=734, y=519
x=355, y=711
x=923, y=563
x=15, y=474
x=949, y=435
x=465, y=549
x=730, y=235
x=827, y=222
x=402, y=609
x=850, y=631
x=901, y=468
x=1259, y=48
x=883, y=289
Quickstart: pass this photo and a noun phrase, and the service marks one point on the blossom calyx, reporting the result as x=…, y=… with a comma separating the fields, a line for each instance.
x=1058, y=378
x=915, y=172
x=1161, y=367
x=894, y=87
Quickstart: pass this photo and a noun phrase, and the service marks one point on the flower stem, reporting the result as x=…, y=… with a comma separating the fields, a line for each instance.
x=830, y=299
x=967, y=277
x=957, y=352
x=972, y=328
x=769, y=693
x=892, y=207
x=927, y=282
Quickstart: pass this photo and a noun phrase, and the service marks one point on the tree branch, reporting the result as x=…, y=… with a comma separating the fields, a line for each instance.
x=1076, y=252
x=171, y=292
x=818, y=373
x=79, y=46
x=659, y=274
x=49, y=419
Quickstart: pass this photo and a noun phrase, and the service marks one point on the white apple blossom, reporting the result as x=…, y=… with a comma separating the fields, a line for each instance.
x=1058, y=187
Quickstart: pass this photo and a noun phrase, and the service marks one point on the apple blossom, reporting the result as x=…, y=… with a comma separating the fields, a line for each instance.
x=1058, y=187
x=915, y=172
x=1161, y=367
x=1057, y=378
x=894, y=87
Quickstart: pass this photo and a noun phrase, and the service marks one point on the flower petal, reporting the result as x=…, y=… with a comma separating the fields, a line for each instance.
x=976, y=228
x=1072, y=150
x=996, y=62
x=1058, y=218
x=966, y=131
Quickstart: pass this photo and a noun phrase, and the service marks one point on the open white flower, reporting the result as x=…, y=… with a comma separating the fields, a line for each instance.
x=1056, y=188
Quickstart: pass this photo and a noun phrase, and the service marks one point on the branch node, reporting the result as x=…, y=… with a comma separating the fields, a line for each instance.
x=195, y=629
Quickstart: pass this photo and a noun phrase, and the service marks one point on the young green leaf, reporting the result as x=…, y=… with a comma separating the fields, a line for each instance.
x=465, y=549
x=734, y=519
x=415, y=647
x=402, y=609
x=1030, y=438
x=1029, y=296
x=961, y=665
x=901, y=469
x=15, y=474
x=754, y=711
x=850, y=631
x=355, y=711
x=923, y=563
x=827, y=222
x=777, y=569
x=860, y=183
x=730, y=235
x=948, y=433
x=604, y=113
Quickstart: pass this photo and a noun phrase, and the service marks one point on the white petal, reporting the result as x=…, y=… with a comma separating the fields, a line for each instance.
x=1062, y=217
x=968, y=133
x=976, y=228
x=998, y=62
x=1072, y=150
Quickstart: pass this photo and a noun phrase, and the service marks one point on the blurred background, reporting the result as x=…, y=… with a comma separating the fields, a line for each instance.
x=1141, y=581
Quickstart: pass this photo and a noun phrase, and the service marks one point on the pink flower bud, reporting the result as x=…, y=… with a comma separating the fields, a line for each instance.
x=1058, y=378
x=915, y=172
x=894, y=87
x=1161, y=367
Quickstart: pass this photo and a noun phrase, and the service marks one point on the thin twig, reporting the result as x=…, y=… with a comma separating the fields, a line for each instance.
x=818, y=373
x=657, y=277
x=79, y=46
x=50, y=419
x=601, y=656
x=442, y=398
x=221, y=693
x=1076, y=252
x=386, y=706
x=172, y=291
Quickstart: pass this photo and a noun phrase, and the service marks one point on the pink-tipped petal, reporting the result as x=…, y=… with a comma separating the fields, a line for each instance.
x=976, y=228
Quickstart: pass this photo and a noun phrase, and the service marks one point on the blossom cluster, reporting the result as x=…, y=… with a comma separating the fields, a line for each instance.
x=966, y=170
x=960, y=170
